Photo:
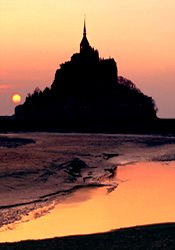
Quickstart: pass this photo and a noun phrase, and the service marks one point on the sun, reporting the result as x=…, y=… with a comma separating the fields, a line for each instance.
x=16, y=98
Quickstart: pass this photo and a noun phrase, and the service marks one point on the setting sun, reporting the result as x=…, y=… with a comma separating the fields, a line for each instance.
x=16, y=98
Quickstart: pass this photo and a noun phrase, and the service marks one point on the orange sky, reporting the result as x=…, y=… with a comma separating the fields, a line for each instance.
x=36, y=36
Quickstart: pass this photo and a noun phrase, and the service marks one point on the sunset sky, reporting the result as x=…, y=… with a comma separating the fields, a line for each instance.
x=38, y=35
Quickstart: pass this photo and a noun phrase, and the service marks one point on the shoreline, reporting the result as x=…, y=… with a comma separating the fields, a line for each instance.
x=154, y=236
x=156, y=126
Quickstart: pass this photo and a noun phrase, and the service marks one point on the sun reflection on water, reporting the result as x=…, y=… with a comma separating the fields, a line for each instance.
x=145, y=195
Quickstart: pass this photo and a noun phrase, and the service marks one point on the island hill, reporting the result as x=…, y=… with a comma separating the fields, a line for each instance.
x=87, y=94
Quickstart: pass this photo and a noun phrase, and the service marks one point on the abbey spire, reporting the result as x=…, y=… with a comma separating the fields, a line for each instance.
x=84, y=30
x=84, y=45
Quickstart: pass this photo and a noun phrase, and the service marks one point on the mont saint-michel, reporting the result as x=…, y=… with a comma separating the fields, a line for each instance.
x=87, y=93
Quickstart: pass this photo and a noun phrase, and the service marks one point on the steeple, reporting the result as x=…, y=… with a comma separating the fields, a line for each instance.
x=84, y=30
x=84, y=45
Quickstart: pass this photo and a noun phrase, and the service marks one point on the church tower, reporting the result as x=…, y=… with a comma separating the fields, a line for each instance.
x=84, y=45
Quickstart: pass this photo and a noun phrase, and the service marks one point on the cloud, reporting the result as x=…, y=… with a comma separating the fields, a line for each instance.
x=3, y=87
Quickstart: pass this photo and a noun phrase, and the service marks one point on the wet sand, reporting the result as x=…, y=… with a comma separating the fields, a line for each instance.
x=39, y=179
x=144, y=195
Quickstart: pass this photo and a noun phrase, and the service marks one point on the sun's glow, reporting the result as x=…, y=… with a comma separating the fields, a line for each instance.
x=16, y=98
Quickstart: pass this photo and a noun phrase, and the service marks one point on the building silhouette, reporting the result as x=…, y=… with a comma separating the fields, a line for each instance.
x=87, y=93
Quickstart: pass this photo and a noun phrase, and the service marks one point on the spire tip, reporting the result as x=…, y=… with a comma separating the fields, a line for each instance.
x=84, y=31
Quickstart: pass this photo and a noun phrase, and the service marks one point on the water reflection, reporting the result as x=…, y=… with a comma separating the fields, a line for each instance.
x=145, y=194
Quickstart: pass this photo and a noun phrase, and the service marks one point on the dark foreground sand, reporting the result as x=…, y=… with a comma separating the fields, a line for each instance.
x=159, y=236
x=7, y=142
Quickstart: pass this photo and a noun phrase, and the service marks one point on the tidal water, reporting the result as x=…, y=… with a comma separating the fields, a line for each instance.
x=67, y=184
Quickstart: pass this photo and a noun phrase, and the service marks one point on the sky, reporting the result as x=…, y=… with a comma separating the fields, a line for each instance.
x=37, y=36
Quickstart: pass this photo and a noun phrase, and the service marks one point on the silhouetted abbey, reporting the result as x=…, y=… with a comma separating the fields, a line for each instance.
x=87, y=92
